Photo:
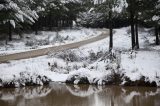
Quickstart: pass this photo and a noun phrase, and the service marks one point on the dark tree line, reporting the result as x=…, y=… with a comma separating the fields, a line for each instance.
x=19, y=15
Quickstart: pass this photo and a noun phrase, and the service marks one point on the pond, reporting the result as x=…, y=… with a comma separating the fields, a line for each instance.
x=57, y=94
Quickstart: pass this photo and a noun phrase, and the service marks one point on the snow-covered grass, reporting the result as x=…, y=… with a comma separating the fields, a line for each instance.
x=92, y=63
x=46, y=39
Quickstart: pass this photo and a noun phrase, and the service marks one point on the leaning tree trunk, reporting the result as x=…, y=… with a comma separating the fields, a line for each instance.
x=110, y=29
x=137, y=36
x=132, y=25
x=10, y=31
x=157, y=35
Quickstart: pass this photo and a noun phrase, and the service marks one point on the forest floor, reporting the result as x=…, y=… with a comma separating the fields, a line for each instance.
x=91, y=64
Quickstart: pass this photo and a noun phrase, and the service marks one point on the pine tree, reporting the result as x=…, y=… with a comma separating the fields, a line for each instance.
x=108, y=8
x=16, y=12
x=151, y=15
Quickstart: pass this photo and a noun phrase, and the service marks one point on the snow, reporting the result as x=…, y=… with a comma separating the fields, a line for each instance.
x=1, y=6
x=12, y=23
x=46, y=39
x=140, y=65
x=155, y=18
x=83, y=72
x=20, y=17
x=144, y=62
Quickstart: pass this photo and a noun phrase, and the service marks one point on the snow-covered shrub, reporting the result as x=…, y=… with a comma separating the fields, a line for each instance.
x=94, y=56
x=84, y=65
x=30, y=43
x=35, y=42
x=116, y=77
x=59, y=38
x=81, y=76
x=68, y=55
x=113, y=60
x=142, y=81
x=132, y=54
x=25, y=79
x=75, y=67
x=157, y=79
x=76, y=79
x=42, y=42
x=113, y=65
x=54, y=66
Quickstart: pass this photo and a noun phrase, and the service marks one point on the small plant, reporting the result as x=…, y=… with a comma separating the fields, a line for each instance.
x=92, y=56
x=75, y=67
x=68, y=56
x=132, y=54
x=84, y=65
x=129, y=31
x=53, y=66
x=30, y=43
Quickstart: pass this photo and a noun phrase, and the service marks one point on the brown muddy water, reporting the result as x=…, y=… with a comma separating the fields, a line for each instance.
x=72, y=95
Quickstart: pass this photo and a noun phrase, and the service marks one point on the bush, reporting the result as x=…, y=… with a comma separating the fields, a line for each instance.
x=143, y=81
x=68, y=56
x=26, y=79
x=35, y=42
x=76, y=79
x=95, y=56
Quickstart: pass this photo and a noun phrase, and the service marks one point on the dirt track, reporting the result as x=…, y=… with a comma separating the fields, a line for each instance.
x=45, y=51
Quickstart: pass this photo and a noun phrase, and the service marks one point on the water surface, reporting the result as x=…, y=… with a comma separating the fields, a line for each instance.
x=83, y=95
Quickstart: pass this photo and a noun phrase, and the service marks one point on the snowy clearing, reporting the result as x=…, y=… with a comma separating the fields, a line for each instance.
x=46, y=39
x=91, y=63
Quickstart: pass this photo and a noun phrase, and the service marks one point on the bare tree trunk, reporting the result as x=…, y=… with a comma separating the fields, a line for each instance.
x=132, y=25
x=10, y=31
x=157, y=36
x=50, y=21
x=36, y=27
x=137, y=36
x=6, y=40
x=110, y=29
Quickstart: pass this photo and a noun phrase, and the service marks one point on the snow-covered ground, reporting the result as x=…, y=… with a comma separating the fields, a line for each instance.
x=46, y=39
x=92, y=62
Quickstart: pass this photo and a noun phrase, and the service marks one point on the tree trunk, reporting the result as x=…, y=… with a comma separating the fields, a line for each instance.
x=10, y=31
x=36, y=27
x=110, y=29
x=137, y=36
x=132, y=25
x=157, y=36
x=6, y=37
x=50, y=21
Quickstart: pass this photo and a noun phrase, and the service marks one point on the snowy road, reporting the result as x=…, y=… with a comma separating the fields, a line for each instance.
x=45, y=51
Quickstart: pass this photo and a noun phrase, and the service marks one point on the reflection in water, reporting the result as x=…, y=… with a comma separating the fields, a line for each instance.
x=83, y=90
x=74, y=95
